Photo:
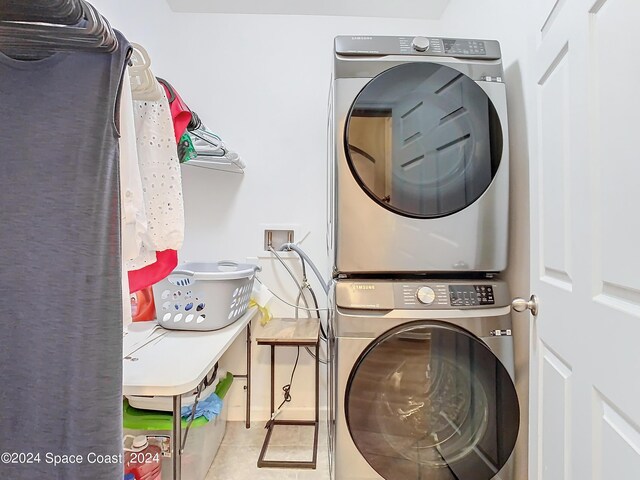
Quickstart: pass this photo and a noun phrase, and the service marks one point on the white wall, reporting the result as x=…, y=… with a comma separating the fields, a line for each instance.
x=505, y=20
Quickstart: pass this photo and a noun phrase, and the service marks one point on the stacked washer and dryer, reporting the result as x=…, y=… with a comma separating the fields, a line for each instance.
x=421, y=354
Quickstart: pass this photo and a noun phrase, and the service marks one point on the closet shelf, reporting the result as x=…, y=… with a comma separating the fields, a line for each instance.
x=224, y=166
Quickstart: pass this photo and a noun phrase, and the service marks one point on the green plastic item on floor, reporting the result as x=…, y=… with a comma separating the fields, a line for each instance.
x=136, y=419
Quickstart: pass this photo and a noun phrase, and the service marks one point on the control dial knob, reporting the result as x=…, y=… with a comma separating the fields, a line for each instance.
x=426, y=295
x=420, y=44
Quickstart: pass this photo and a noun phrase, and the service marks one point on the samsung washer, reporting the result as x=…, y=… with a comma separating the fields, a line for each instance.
x=419, y=157
x=421, y=381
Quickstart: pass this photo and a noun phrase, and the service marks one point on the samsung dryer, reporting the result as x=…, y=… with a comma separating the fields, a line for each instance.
x=419, y=157
x=421, y=381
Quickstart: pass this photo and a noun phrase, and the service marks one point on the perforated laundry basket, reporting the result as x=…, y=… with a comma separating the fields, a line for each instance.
x=204, y=296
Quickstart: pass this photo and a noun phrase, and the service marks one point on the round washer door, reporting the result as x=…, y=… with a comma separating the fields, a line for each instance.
x=429, y=400
x=423, y=140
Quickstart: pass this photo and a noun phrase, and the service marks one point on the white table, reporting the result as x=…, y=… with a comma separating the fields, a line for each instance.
x=170, y=363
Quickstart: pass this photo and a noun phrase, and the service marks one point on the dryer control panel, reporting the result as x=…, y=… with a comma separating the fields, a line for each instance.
x=365, y=45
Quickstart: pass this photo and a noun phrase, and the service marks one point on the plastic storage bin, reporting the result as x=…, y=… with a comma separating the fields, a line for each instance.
x=204, y=296
x=202, y=444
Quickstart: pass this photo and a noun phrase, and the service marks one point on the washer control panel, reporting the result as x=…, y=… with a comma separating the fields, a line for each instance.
x=421, y=294
x=449, y=294
x=470, y=295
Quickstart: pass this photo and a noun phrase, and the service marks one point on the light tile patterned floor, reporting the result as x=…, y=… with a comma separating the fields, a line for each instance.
x=238, y=454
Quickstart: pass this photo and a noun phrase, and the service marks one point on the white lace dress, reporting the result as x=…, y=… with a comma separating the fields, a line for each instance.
x=161, y=180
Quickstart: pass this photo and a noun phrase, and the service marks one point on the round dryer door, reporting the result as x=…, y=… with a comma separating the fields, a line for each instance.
x=429, y=400
x=423, y=140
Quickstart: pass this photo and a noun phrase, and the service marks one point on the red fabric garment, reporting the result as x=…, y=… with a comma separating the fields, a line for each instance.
x=180, y=113
x=166, y=262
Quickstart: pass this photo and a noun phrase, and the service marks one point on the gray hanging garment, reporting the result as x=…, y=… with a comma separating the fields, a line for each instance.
x=60, y=267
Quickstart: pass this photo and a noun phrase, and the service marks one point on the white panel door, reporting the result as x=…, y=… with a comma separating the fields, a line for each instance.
x=585, y=245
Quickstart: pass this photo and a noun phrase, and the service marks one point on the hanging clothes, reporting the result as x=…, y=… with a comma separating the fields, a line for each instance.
x=162, y=187
x=180, y=113
x=160, y=173
x=60, y=268
x=166, y=260
x=132, y=211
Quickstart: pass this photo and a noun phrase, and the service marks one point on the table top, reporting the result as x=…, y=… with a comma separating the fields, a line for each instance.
x=157, y=361
x=288, y=331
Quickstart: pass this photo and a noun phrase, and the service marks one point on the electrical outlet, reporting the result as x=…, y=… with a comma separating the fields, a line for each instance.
x=276, y=238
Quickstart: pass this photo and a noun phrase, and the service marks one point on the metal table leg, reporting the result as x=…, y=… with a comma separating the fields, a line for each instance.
x=317, y=383
x=273, y=378
x=247, y=377
x=317, y=419
x=247, y=416
x=176, y=438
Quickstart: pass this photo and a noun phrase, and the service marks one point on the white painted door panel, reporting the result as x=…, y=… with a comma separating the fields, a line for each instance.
x=585, y=245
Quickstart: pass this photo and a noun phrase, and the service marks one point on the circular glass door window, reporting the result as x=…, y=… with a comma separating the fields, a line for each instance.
x=430, y=400
x=423, y=140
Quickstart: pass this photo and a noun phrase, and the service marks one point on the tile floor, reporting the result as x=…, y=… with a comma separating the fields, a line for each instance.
x=238, y=454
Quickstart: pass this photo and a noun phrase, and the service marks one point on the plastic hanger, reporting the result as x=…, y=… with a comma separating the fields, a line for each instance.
x=140, y=59
x=207, y=143
x=195, y=122
x=62, y=12
x=210, y=149
x=91, y=32
x=144, y=85
x=172, y=93
x=212, y=152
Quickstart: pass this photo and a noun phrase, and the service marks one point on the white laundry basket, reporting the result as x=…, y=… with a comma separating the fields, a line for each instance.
x=204, y=296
